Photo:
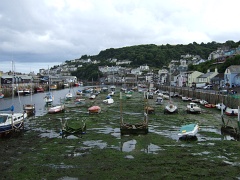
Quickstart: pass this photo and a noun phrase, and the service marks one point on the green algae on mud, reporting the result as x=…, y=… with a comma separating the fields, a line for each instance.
x=102, y=153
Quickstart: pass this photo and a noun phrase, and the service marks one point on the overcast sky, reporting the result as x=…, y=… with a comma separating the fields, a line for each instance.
x=53, y=31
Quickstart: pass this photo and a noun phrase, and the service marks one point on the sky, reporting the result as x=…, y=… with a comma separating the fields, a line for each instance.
x=41, y=34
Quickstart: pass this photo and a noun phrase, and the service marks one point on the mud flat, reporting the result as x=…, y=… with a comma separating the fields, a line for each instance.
x=41, y=152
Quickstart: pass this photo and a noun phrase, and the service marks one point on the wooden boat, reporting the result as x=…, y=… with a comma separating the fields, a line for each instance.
x=231, y=112
x=149, y=110
x=56, y=109
x=170, y=108
x=53, y=87
x=29, y=109
x=133, y=128
x=193, y=108
x=138, y=128
x=69, y=130
x=210, y=105
x=188, y=130
x=94, y=110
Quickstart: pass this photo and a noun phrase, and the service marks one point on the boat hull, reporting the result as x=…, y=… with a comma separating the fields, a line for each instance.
x=127, y=129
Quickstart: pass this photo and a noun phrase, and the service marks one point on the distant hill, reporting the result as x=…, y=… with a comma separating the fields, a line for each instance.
x=155, y=56
x=158, y=55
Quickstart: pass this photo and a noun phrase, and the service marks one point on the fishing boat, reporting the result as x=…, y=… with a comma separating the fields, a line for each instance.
x=188, y=131
x=94, y=110
x=193, y=108
x=56, y=109
x=231, y=112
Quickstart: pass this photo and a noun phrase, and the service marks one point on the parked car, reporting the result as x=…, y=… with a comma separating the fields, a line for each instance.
x=208, y=87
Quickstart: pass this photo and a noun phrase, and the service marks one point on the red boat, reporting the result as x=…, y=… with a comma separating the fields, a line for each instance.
x=39, y=89
x=210, y=105
x=94, y=110
x=231, y=112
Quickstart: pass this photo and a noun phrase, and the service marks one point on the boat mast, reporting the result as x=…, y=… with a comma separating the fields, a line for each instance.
x=121, y=116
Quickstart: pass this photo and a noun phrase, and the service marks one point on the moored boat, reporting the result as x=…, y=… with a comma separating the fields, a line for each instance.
x=56, y=109
x=193, y=108
x=29, y=109
x=231, y=112
x=94, y=110
x=1, y=95
x=189, y=130
x=170, y=108
x=210, y=105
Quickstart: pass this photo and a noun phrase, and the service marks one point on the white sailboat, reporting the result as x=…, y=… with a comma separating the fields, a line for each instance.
x=49, y=96
x=9, y=120
x=170, y=108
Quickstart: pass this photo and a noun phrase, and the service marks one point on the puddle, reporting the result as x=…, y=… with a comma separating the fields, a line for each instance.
x=152, y=149
x=129, y=145
x=99, y=144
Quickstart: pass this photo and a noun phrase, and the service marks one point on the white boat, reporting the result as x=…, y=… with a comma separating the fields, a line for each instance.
x=193, y=108
x=203, y=102
x=170, y=108
x=56, y=109
x=108, y=101
x=93, y=96
x=231, y=112
x=69, y=95
x=9, y=120
x=48, y=98
x=185, y=98
x=159, y=100
x=188, y=130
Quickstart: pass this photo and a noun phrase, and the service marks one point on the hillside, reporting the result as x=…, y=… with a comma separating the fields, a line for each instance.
x=155, y=56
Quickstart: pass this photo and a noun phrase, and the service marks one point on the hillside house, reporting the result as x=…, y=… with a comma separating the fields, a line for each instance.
x=206, y=78
x=232, y=76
